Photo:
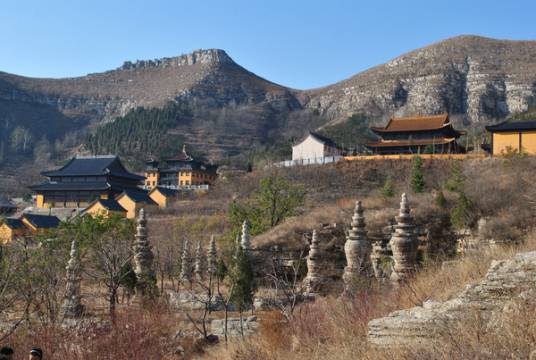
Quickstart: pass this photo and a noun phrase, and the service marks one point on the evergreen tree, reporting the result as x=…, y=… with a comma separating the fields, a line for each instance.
x=417, y=176
x=141, y=131
x=221, y=272
x=456, y=181
x=388, y=189
x=241, y=280
x=440, y=199
x=462, y=214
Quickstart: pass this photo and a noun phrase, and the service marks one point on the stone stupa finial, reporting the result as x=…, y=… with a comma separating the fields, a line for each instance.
x=357, y=250
x=245, y=240
x=212, y=257
x=143, y=259
x=72, y=304
x=404, y=244
x=313, y=280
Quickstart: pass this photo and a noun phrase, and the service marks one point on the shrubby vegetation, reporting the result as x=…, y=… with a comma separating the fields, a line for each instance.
x=275, y=200
x=417, y=177
x=350, y=133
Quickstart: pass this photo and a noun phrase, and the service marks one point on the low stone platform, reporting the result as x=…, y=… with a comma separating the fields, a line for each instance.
x=505, y=281
x=250, y=325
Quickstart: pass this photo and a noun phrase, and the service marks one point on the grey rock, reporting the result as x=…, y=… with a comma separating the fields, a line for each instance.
x=249, y=324
x=505, y=281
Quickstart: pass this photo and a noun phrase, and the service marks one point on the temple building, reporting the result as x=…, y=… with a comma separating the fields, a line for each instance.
x=431, y=134
x=315, y=146
x=133, y=201
x=10, y=229
x=513, y=137
x=181, y=172
x=105, y=208
x=26, y=226
x=83, y=180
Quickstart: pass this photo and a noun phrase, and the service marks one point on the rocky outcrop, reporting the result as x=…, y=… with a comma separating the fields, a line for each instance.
x=235, y=327
x=476, y=79
x=505, y=281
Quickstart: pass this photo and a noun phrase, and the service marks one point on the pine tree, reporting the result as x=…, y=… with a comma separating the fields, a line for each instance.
x=456, y=181
x=461, y=215
x=388, y=189
x=242, y=281
x=417, y=176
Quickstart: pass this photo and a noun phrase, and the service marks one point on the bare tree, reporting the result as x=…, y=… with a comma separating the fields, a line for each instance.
x=110, y=255
x=287, y=285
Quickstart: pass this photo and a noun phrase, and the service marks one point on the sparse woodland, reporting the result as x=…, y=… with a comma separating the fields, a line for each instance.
x=282, y=207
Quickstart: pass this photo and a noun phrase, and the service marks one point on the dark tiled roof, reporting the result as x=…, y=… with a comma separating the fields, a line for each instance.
x=174, y=165
x=183, y=156
x=513, y=126
x=42, y=221
x=166, y=191
x=110, y=204
x=72, y=186
x=327, y=141
x=140, y=196
x=94, y=166
x=14, y=223
x=5, y=203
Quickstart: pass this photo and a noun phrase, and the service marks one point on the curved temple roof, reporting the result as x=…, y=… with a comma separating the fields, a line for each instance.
x=417, y=123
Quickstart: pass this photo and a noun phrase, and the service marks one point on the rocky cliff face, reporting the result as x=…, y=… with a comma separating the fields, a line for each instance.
x=202, y=75
x=478, y=80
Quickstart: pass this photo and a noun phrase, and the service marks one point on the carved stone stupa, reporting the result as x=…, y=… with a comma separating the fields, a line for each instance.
x=72, y=305
x=357, y=250
x=143, y=260
x=212, y=258
x=245, y=240
x=313, y=280
x=186, y=264
x=404, y=244
x=199, y=267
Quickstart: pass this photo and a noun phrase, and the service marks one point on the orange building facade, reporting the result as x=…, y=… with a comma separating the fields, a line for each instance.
x=182, y=172
x=513, y=137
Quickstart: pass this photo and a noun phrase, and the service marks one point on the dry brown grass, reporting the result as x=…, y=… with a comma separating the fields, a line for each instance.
x=334, y=328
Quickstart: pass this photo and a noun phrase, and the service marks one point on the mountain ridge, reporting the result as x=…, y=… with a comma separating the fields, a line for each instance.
x=478, y=80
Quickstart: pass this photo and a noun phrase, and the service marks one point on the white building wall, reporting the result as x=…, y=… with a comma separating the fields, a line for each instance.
x=309, y=148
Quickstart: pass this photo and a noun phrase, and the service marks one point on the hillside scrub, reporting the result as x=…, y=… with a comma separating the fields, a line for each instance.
x=334, y=328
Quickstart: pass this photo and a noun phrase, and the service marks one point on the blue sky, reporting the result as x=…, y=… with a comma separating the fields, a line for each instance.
x=301, y=44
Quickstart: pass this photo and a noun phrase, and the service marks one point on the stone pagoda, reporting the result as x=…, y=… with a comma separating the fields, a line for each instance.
x=357, y=250
x=72, y=305
x=404, y=244
x=186, y=264
x=313, y=280
x=245, y=240
x=212, y=258
x=199, y=266
x=143, y=260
